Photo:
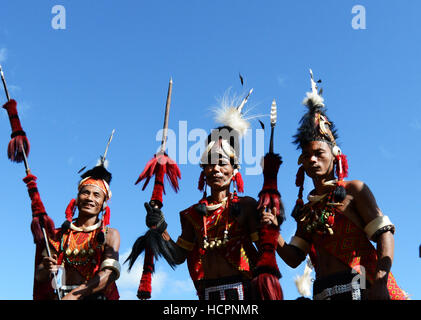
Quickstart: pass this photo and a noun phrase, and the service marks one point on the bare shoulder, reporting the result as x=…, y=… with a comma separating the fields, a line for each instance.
x=355, y=186
x=248, y=202
x=113, y=237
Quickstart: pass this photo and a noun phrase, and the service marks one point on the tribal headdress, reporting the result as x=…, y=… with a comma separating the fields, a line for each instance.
x=100, y=178
x=315, y=126
x=224, y=141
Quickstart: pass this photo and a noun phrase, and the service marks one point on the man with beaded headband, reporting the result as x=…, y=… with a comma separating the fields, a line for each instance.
x=85, y=247
x=341, y=218
x=217, y=232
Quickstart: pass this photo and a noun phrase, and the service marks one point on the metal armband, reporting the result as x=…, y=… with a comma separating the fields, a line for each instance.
x=111, y=264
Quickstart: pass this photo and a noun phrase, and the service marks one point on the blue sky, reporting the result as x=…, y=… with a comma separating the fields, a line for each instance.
x=110, y=69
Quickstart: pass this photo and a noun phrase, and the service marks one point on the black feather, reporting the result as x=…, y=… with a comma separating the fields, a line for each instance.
x=138, y=247
x=159, y=247
x=241, y=79
x=98, y=172
x=81, y=170
x=262, y=125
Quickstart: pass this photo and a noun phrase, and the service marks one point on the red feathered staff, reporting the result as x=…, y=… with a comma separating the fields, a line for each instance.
x=19, y=142
x=159, y=166
x=267, y=273
x=42, y=225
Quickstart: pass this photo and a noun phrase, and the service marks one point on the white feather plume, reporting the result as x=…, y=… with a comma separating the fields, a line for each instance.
x=99, y=162
x=303, y=282
x=313, y=99
x=228, y=114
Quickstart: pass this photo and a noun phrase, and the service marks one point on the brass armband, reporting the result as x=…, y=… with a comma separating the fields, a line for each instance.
x=377, y=226
x=111, y=264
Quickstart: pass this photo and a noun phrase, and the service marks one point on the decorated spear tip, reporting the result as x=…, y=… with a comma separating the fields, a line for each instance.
x=240, y=107
x=273, y=113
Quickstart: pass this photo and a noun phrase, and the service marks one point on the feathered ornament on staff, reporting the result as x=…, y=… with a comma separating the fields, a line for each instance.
x=19, y=143
x=160, y=166
x=266, y=272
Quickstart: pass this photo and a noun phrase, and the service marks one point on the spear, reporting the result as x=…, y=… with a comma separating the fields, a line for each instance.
x=103, y=158
x=159, y=166
x=4, y=83
x=40, y=217
x=19, y=143
x=166, y=118
x=267, y=271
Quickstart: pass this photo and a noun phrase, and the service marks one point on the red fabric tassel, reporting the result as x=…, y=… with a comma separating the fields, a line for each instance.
x=70, y=210
x=266, y=282
x=269, y=195
x=342, y=163
x=107, y=216
x=268, y=241
x=145, y=287
x=201, y=185
x=299, y=178
x=39, y=216
x=160, y=166
x=239, y=182
x=19, y=139
x=267, y=287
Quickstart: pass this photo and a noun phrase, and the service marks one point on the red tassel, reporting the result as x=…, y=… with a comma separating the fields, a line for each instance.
x=239, y=182
x=267, y=268
x=267, y=287
x=39, y=215
x=201, y=185
x=342, y=164
x=19, y=139
x=160, y=166
x=70, y=210
x=299, y=178
x=107, y=216
x=145, y=287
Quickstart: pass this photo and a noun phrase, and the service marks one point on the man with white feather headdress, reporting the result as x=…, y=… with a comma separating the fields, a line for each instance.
x=218, y=232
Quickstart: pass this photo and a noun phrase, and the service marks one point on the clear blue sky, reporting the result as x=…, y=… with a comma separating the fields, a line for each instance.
x=110, y=69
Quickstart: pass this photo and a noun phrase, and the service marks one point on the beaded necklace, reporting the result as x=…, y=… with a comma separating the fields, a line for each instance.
x=319, y=214
x=80, y=247
x=215, y=242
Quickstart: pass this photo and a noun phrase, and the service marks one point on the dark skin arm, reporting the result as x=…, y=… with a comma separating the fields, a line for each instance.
x=291, y=255
x=366, y=206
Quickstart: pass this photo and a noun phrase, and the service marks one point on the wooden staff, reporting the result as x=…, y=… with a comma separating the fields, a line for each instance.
x=47, y=244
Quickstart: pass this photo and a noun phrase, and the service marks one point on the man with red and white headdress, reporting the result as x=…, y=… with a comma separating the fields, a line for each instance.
x=85, y=246
x=218, y=233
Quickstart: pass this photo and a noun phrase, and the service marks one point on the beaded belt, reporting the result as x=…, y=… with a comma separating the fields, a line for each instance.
x=353, y=287
x=231, y=291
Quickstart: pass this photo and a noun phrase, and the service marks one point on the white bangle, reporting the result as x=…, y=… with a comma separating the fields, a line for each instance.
x=111, y=264
x=376, y=224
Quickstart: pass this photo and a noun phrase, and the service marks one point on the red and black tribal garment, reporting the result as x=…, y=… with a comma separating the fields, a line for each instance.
x=81, y=251
x=238, y=250
x=330, y=229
